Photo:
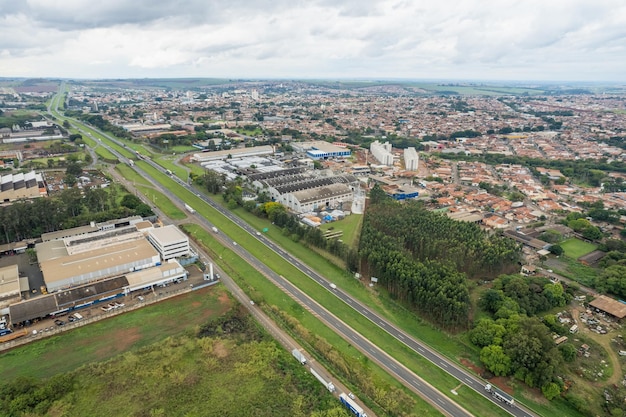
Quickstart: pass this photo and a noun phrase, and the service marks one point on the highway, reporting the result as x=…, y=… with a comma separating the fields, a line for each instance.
x=448, y=366
x=442, y=402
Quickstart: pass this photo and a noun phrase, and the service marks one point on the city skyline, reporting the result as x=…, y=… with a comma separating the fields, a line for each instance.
x=344, y=39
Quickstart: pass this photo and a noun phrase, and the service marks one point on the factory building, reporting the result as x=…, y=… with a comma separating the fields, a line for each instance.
x=11, y=285
x=100, y=263
x=169, y=241
x=411, y=159
x=22, y=186
x=165, y=273
x=317, y=150
x=382, y=152
x=232, y=153
x=302, y=191
x=331, y=195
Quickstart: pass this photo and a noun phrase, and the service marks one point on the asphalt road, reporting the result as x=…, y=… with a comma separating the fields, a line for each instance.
x=430, y=394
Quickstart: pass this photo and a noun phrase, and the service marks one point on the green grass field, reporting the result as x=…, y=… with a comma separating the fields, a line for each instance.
x=575, y=248
x=183, y=149
x=349, y=225
x=162, y=202
x=105, y=154
x=150, y=362
x=123, y=333
x=167, y=163
x=131, y=175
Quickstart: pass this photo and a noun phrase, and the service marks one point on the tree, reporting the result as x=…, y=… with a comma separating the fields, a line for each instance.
x=556, y=250
x=74, y=168
x=70, y=180
x=568, y=352
x=550, y=390
x=592, y=233
x=130, y=201
x=491, y=300
x=487, y=332
x=495, y=360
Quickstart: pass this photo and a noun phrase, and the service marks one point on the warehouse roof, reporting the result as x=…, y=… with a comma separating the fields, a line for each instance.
x=320, y=193
x=167, y=234
x=9, y=281
x=95, y=260
x=154, y=276
x=610, y=306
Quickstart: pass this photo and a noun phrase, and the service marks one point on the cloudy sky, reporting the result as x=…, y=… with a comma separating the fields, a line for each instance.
x=568, y=40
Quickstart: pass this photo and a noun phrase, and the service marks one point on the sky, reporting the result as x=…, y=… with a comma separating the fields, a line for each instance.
x=534, y=40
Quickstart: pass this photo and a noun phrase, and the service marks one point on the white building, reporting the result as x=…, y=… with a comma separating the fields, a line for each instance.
x=382, y=152
x=97, y=264
x=411, y=159
x=169, y=241
x=331, y=195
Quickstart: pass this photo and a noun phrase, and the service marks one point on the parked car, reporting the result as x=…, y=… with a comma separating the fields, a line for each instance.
x=59, y=322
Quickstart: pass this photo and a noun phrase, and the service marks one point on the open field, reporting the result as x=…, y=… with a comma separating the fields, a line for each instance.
x=104, y=153
x=349, y=225
x=575, y=248
x=151, y=362
x=574, y=270
x=196, y=169
x=182, y=149
x=123, y=333
x=187, y=376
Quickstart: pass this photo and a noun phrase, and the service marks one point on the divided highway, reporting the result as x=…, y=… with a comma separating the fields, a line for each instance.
x=443, y=403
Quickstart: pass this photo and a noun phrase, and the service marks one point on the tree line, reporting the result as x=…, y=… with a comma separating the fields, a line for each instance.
x=69, y=208
x=424, y=258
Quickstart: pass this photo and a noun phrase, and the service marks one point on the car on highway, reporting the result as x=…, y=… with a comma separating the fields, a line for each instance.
x=333, y=286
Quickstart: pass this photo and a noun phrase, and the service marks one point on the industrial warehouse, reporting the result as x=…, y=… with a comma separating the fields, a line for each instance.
x=92, y=264
x=14, y=187
x=302, y=191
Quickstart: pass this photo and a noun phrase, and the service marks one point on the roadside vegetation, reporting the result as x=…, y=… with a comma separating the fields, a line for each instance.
x=224, y=366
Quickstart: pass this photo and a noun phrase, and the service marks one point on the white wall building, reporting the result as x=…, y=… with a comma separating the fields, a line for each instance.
x=382, y=152
x=411, y=159
x=169, y=241
x=84, y=267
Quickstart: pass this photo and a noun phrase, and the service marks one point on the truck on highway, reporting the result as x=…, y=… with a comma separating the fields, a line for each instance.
x=351, y=405
x=299, y=356
x=500, y=395
x=189, y=208
x=328, y=384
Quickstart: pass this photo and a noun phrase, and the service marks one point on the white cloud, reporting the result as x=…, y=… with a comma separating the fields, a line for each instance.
x=493, y=39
